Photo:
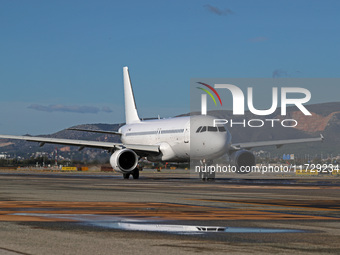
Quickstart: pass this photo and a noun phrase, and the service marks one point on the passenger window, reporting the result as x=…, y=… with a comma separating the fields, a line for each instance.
x=212, y=129
x=221, y=129
x=199, y=129
x=203, y=129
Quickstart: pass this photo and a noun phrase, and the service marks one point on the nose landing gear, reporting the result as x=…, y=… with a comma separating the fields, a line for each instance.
x=206, y=173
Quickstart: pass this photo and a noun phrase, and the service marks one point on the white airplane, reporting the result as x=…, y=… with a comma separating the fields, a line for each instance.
x=178, y=139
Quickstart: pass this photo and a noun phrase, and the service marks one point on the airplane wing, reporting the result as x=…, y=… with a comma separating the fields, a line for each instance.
x=83, y=143
x=96, y=131
x=277, y=143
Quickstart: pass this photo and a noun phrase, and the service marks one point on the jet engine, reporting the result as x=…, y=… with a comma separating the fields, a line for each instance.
x=124, y=160
x=242, y=158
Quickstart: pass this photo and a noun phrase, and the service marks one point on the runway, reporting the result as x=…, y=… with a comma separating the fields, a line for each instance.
x=166, y=212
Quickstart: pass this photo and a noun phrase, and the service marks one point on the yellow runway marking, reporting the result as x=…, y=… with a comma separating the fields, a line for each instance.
x=313, y=205
x=8, y=209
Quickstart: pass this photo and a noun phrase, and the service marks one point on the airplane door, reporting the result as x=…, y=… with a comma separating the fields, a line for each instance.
x=158, y=137
x=187, y=135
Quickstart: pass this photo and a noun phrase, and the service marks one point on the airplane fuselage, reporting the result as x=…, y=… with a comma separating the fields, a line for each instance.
x=178, y=138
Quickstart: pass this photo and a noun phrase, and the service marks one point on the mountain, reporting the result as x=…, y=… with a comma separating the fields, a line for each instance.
x=19, y=148
x=325, y=120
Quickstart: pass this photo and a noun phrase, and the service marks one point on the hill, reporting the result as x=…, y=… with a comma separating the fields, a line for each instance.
x=325, y=120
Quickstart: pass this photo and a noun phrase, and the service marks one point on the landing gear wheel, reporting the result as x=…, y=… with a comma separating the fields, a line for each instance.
x=135, y=173
x=211, y=177
x=208, y=174
x=203, y=176
x=126, y=176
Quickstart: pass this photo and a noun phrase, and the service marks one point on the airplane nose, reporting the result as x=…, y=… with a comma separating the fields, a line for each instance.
x=217, y=143
x=209, y=144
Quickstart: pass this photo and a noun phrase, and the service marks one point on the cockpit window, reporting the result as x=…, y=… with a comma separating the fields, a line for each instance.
x=212, y=129
x=221, y=129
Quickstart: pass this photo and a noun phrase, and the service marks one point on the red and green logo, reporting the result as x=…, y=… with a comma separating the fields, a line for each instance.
x=209, y=93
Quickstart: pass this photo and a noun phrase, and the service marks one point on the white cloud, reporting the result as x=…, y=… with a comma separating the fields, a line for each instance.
x=69, y=108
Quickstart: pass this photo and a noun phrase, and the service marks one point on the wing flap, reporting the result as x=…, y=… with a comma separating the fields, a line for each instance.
x=95, y=131
x=43, y=140
x=277, y=143
x=84, y=143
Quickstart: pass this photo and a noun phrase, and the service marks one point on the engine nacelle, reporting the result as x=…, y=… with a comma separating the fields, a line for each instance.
x=242, y=158
x=124, y=160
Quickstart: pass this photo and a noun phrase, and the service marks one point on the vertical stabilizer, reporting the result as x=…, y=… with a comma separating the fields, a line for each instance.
x=131, y=114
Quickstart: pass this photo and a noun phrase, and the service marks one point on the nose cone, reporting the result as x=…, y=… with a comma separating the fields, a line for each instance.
x=216, y=144
x=209, y=145
x=206, y=141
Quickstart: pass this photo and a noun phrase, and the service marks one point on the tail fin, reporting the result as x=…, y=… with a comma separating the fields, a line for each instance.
x=131, y=114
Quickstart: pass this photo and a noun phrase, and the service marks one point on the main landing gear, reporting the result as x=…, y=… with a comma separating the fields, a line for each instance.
x=134, y=173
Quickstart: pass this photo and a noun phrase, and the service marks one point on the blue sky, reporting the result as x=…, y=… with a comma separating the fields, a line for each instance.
x=61, y=61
